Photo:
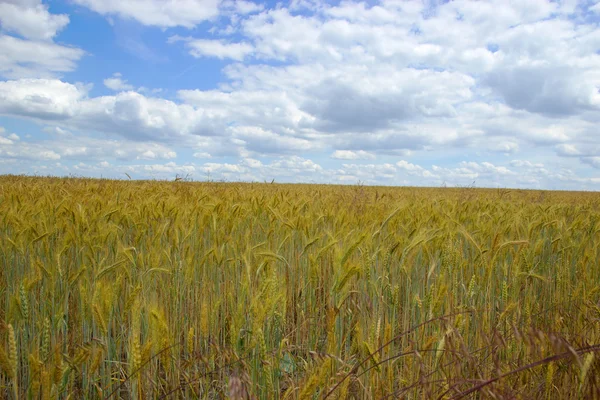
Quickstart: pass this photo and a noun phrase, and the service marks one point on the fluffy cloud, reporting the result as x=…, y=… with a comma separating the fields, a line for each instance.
x=33, y=54
x=129, y=114
x=134, y=116
x=593, y=161
x=525, y=164
x=484, y=168
x=64, y=145
x=352, y=155
x=214, y=48
x=11, y=148
x=295, y=169
x=587, y=153
x=405, y=165
x=374, y=80
x=241, y=7
x=116, y=83
x=44, y=99
x=30, y=19
x=369, y=173
x=548, y=67
x=352, y=81
x=165, y=14
x=24, y=58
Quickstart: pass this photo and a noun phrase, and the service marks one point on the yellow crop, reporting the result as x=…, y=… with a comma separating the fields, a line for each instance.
x=123, y=289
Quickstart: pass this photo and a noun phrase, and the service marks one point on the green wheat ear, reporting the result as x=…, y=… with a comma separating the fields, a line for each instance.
x=24, y=302
x=45, y=350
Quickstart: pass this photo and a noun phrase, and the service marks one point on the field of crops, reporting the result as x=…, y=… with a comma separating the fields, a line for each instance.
x=135, y=290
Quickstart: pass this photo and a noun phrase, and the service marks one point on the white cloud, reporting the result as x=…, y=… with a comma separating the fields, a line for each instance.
x=414, y=170
x=262, y=141
x=165, y=14
x=343, y=89
x=46, y=99
x=10, y=149
x=370, y=173
x=21, y=58
x=354, y=98
x=508, y=146
x=292, y=169
x=117, y=84
x=486, y=174
x=548, y=67
x=201, y=154
x=296, y=164
x=242, y=6
x=33, y=54
x=568, y=150
x=128, y=114
x=215, y=48
x=411, y=168
x=481, y=81
x=68, y=146
x=408, y=166
x=352, y=155
x=31, y=19
x=593, y=161
x=56, y=130
x=484, y=168
x=224, y=169
x=169, y=168
x=252, y=163
x=587, y=153
x=525, y=164
x=151, y=155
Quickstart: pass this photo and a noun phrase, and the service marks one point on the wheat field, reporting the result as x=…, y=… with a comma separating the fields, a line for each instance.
x=204, y=290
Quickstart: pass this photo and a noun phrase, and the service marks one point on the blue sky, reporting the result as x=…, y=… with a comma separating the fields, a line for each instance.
x=392, y=92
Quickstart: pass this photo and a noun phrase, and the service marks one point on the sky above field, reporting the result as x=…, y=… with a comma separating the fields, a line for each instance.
x=430, y=93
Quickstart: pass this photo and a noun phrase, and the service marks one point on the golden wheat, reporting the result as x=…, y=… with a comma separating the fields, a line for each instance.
x=204, y=290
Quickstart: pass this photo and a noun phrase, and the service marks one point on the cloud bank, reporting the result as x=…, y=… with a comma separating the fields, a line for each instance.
x=390, y=92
